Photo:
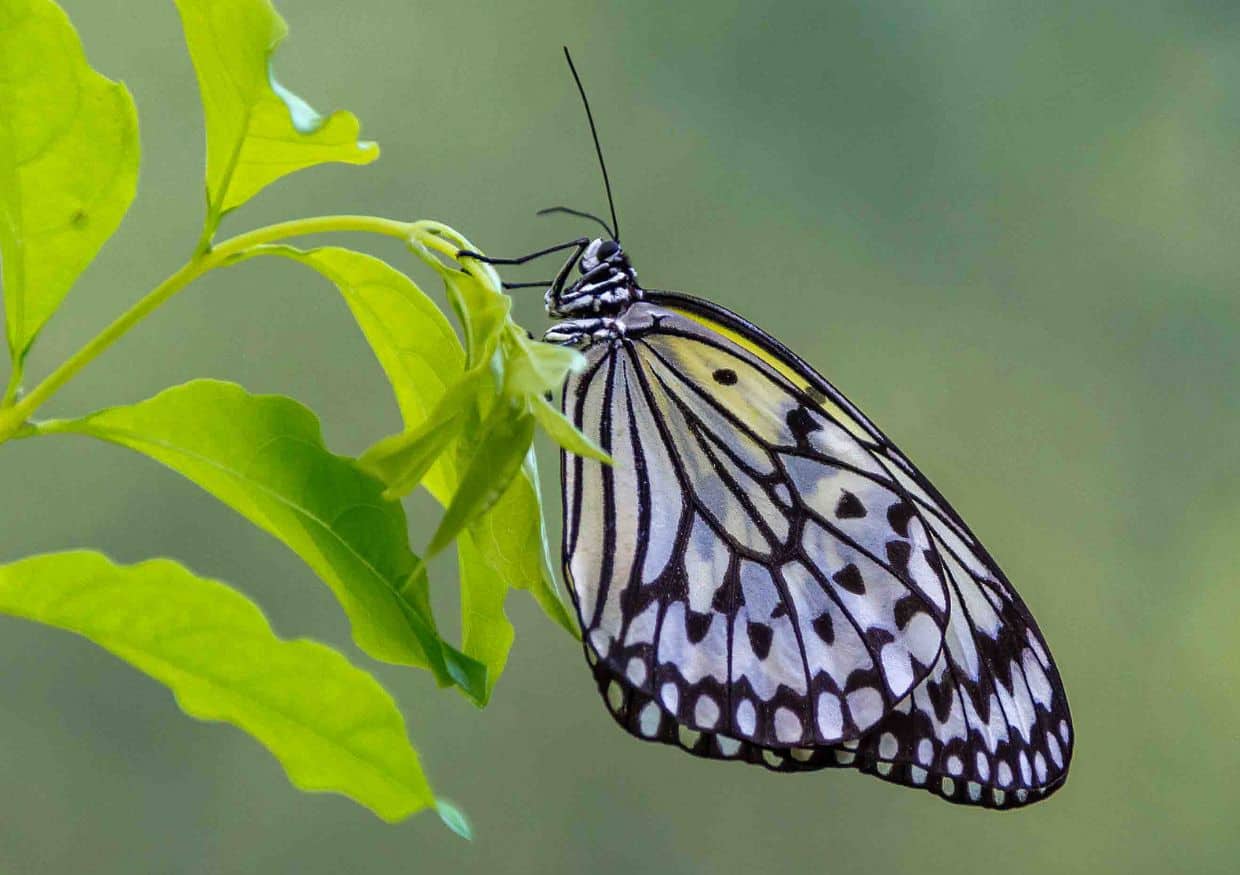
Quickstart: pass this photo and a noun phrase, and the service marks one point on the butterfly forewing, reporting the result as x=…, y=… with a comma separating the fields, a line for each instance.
x=762, y=576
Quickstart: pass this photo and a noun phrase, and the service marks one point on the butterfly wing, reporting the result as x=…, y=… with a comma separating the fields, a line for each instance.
x=743, y=565
x=989, y=722
x=764, y=576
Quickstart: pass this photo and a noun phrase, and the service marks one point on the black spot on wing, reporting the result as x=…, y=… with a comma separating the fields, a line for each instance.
x=898, y=553
x=849, y=578
x=801, y=424
x=823, y=628
x=898, y=516
x=697, y=625
x=849, y=507
x=941, y=695
x=760, y=636
x=908, y=607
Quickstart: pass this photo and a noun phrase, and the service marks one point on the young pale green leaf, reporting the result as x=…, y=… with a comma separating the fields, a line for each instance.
x=563, y=432
x=411, y=338
x=486, y=633
x=68, y=162
x=483, y=314
x=402, y=461
x=331, y=725
x=506, y=436
x=257, y=131
x=476, y=297
x=511, y=535
x=263, y=456
x=514, y=540
x=535, y=368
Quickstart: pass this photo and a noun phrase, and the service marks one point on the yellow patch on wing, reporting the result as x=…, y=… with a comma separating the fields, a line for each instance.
x=787, y=371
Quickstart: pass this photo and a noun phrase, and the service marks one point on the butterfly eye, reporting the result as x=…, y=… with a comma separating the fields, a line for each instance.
x=607, y=249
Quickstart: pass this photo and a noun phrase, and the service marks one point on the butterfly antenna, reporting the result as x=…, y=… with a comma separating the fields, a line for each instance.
x=615, y=225
x=580, y=214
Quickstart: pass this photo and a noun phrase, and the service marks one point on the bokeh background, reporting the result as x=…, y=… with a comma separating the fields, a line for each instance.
x=1008, y=230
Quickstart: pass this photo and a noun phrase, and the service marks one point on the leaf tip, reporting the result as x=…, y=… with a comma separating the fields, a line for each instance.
x=454, y=819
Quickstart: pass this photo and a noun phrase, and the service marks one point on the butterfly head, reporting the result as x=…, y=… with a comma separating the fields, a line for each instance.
x=607, y=286
x=604, y=253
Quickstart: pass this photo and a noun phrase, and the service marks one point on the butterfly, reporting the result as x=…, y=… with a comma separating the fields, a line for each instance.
x=762, y=575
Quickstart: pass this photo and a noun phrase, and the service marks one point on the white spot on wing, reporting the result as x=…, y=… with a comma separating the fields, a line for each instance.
x=830, y=718
x=1005, y=773
x=866, y=706
x=706, y=712
x=787, y=726
x=649, y=720
x=887, y=746
x=670, y=696
x=746, y=718
x=641, y=630
x=983, y=766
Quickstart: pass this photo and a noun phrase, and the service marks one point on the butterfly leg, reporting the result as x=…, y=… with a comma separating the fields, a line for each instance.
x=579, y=244
x=556, y=286
x=583, y=332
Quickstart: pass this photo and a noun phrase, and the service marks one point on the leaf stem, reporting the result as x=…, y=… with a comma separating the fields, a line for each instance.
x=15, y=383
x=223, y=254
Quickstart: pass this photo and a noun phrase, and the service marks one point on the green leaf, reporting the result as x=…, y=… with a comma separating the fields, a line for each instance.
x=68, y=163
x=497, y=458
x=410, y=336
x=331, y=725
x=402, y=460
x=534, y=367
x=263, y=456
x=478, y=300
x=513, y=538
x=257, y=131
x=486, y=633
x=563, y=432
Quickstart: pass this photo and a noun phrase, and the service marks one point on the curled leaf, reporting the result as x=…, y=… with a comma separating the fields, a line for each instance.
x=257, y=130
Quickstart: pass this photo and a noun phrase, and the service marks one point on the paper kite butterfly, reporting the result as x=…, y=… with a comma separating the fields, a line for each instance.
x=763, y=576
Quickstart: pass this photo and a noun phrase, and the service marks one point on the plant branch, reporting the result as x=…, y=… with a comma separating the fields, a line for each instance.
x=223, y=254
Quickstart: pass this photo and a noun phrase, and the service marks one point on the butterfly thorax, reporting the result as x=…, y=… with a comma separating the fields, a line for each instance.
x=594, y=302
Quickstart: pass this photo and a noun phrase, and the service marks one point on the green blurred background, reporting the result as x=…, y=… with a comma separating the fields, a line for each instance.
x=1008, y=230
